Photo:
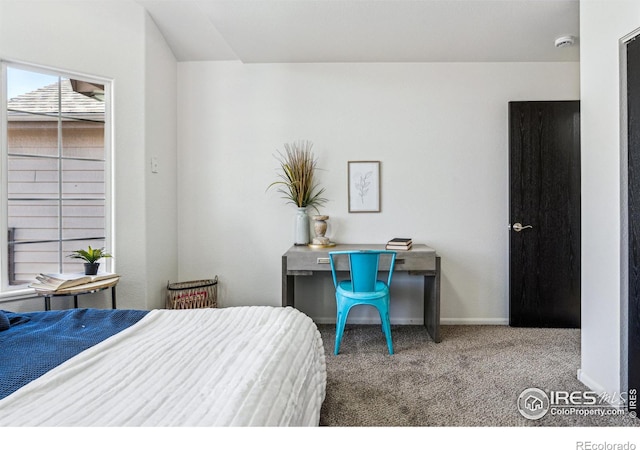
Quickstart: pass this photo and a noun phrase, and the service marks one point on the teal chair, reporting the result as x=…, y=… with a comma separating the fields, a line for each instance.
x=363, y=288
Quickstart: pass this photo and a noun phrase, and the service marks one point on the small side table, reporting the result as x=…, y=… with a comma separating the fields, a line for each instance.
x=81, y=290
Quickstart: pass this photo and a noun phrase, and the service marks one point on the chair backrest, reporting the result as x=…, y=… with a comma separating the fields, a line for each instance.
x=363, y=265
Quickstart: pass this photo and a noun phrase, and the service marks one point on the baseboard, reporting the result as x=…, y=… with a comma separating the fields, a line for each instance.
x=598, y=389
x=589, y=382
x=414, y=321
x=474, y=321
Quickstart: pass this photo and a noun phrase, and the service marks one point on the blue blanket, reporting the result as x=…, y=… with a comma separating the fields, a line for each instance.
x=37, y=342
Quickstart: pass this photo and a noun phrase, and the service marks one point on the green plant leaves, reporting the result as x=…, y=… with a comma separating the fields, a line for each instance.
x=91, y=255
x=297, y=183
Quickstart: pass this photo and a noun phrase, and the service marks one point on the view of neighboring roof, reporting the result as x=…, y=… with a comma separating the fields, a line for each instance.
x=45, y=101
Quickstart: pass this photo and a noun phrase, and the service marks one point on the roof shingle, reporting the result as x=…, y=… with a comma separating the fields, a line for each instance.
x=45, y=101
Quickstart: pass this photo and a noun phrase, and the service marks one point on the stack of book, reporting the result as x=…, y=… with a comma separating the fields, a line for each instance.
x=61, y=282
x=399, y=244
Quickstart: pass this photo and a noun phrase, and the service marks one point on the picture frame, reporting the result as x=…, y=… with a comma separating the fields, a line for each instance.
x=364, y=186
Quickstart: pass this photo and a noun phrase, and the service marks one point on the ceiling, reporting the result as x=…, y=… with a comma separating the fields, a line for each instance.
x=282, y=31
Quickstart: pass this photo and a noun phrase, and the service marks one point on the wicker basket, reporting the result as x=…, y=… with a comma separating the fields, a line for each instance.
x=193, y=294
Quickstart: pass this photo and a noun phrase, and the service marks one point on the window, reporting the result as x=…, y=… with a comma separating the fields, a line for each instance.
x=55, y=171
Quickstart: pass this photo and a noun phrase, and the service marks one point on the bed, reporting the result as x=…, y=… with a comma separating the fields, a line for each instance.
x=238, y=366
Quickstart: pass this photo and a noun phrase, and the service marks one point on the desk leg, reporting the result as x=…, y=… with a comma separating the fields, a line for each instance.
x=47, y=303
x=75, y=301
x=288, y=285
x=113, y=297
x=432, y=303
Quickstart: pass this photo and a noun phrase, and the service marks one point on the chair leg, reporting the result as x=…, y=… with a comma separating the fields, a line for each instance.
x=387, y=333
x=386, y=327
x=340, y=324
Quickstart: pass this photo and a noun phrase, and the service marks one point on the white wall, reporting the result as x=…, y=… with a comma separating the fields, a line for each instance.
x=118, y=41
x=161, y=186
x=602, y=25
x=440, y=131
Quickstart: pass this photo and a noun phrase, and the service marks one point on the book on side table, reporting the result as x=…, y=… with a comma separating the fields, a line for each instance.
x=399, y=244
x=62, y=281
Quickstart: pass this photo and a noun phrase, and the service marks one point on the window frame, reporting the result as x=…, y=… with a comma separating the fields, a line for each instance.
x=14, y=292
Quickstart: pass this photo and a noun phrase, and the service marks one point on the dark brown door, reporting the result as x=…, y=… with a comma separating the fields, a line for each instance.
x=544, y=242
x=633, y=220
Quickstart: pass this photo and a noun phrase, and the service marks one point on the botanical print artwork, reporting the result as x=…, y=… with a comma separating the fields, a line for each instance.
x=364, y=186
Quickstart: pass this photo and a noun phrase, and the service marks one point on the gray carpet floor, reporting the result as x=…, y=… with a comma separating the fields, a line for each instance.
x=472, y=378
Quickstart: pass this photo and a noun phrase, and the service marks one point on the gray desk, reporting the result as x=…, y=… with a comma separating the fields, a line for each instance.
x=420, y=261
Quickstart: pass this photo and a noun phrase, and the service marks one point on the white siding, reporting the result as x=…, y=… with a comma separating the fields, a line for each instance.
x=29, y=178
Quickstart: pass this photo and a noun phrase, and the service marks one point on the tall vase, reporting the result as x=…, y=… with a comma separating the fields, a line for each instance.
x=302, y=227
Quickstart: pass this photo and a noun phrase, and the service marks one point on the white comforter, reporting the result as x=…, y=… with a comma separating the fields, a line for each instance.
x=241, y=366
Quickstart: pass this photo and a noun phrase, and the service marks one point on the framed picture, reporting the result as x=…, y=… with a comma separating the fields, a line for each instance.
x=364, y=186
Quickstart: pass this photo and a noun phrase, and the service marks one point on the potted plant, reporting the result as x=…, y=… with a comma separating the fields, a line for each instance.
x=298, y=185
x=91, y=257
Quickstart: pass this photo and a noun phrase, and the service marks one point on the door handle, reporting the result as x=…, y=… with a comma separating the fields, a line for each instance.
x=519, y=227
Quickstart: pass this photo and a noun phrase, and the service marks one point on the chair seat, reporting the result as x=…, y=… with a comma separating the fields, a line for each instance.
x=346, y=288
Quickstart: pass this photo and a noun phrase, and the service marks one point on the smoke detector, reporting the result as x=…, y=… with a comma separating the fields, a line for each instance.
x=565, y=41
